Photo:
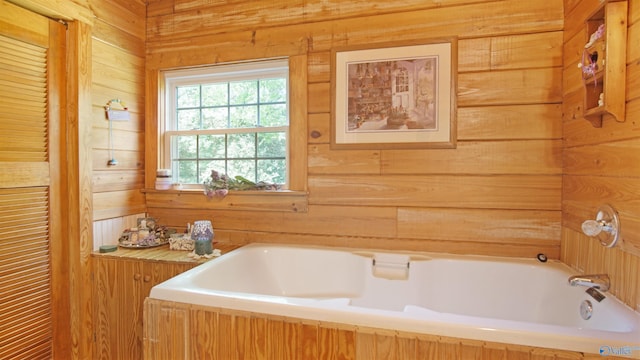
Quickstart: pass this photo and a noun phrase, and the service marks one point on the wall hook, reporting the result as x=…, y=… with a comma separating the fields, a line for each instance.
x=606, y=226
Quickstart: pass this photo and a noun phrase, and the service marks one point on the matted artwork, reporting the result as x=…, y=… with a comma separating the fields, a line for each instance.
x=400, y=96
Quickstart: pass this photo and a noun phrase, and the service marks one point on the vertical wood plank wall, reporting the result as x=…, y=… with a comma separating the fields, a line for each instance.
x=107, y=231
x=601, y=165
x=182, y=331
x=498, y=192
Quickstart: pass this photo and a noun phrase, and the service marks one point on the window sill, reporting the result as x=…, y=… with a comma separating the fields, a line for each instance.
x=250, y=200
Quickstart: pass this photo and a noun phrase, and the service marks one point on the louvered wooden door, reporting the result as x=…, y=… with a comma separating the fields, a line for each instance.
x=31, y=59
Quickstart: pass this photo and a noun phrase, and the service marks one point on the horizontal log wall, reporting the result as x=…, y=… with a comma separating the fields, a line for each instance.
x=498, y=192
x=118, y=35
x=601, y=165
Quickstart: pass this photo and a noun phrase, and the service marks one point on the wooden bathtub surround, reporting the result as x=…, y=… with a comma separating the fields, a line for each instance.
x=122, y=281
x=182, y=331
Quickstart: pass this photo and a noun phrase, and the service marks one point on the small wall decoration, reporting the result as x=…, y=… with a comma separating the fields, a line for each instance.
x=117, y=114
x=603, y=63
x=400, y=96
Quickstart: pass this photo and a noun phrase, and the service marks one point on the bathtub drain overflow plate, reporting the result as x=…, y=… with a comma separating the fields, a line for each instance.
x=586, y=309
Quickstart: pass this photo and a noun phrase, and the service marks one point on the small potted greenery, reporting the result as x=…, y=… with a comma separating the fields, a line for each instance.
x=219, y=185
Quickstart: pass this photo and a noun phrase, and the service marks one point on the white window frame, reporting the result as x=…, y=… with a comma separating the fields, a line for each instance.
x=261, y=69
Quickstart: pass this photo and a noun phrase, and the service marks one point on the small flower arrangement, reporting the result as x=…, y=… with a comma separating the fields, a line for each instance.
x=219, y=185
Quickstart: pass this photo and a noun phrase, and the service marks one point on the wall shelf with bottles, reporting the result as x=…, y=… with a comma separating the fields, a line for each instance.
x=604, y=63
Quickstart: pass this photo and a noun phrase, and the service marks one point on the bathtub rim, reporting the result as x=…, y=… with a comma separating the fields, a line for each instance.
x=471, y=327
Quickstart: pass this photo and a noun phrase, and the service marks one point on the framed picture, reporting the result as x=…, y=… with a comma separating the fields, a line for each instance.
x=394, y=97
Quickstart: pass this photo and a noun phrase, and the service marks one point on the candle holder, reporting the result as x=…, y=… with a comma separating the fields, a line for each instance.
x=202, y=235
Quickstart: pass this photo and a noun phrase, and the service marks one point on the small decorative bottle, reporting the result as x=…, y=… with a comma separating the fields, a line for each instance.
x=202, y=236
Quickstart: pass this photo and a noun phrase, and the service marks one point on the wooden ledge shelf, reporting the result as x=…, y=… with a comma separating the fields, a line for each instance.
x=284, y=200
x=163, y=254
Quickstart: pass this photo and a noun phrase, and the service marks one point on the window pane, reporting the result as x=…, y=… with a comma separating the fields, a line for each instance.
x=207, y=166
x=186, y=172
x=185, y=147
x=188, y=96
x=221, y=101
x=272, y=171
x=188, y=119
x=215, y=118
x=215, y=94
x=242, y=146
x=273, y=115
x=244, y=168
x=271, y=144
x=243, y=116
x=273, y=90
x=243, y=92
x=211, y=147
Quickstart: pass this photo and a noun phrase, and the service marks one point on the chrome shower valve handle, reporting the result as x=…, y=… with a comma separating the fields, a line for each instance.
x=606, y=226
x=594, y=227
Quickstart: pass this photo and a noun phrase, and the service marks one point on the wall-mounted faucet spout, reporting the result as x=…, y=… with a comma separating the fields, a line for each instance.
x=598, y=281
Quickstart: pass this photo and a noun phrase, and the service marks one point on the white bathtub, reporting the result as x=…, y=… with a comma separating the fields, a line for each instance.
x=516, y=301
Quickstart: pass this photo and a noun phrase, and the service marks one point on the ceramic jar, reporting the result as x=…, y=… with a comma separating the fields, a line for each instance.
x=202, y=235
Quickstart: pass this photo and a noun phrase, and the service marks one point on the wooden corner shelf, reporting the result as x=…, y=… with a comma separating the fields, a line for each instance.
x=604, y=63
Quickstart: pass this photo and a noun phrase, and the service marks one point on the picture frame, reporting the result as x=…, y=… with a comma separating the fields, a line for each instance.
x=394, y=96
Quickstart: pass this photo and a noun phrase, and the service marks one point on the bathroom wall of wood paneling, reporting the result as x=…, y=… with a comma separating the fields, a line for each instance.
x=601, y=165
x=503, y=182
x=498, y=192
x=118, y=34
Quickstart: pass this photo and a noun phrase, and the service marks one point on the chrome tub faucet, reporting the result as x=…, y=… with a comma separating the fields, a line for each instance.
x=597, y=281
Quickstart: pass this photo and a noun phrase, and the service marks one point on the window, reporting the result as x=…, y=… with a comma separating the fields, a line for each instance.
x=230, y=118
x=402, y=80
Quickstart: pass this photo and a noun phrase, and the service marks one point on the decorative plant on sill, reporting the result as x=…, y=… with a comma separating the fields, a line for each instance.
x=219, y=185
